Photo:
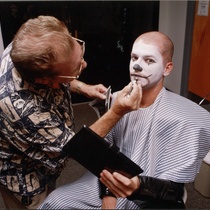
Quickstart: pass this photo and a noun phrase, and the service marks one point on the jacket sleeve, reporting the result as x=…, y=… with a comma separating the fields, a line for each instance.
x=104, y=191
x=158, y=193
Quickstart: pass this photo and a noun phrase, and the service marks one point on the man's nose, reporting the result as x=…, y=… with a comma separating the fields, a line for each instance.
x=137, y=67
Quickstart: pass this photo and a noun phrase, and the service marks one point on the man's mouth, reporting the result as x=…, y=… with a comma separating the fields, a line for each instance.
x=136, y=76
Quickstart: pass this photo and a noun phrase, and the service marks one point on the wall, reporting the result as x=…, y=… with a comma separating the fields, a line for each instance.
x=108, y=41
x=1, y=42
x=172, y=22
x=200, y=61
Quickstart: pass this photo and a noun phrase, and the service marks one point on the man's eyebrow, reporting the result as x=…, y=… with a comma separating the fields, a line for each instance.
x=149, y=55
x=146, y=55
x=132, y=53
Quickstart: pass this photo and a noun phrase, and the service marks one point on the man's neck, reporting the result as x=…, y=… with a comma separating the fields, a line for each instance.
x=149, y=95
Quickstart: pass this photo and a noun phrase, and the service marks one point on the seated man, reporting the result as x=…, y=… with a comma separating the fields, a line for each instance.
x=168, y=137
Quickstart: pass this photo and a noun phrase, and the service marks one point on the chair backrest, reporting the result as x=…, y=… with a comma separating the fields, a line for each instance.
x=84, y=114
x=185, y=195
x=204, y=99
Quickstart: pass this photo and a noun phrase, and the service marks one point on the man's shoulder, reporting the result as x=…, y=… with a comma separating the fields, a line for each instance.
x=178, y=99
x=185, y=107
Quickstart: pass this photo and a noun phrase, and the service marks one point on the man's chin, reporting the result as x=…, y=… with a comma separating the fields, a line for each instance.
x=54, y=85
x=141, y=82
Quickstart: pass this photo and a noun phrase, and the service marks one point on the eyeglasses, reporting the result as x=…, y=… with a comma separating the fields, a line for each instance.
x=82, y=43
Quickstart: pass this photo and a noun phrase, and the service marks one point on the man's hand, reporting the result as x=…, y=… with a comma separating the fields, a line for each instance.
x=94, y=91
x=90, y=91
x=118, y=184
x=128, y=99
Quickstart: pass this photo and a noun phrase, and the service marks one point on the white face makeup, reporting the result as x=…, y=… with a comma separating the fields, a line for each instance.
x=150, y=62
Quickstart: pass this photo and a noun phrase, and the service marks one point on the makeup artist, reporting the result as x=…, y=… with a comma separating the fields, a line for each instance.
x=39, y=69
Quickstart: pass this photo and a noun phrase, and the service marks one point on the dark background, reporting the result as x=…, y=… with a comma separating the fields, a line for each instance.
x=107, y=27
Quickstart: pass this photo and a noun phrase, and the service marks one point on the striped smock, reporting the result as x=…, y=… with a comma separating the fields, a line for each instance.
x=168, y=140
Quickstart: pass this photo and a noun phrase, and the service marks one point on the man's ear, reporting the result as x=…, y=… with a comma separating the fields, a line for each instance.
x=168, y=68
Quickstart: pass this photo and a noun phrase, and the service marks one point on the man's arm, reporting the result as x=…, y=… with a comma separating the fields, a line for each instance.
x=125, y=102
x=159, y=192
x=90, y=91
x=144, y=190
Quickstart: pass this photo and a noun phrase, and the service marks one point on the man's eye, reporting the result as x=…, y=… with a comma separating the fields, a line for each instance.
x=149, y=61
x=134, y=58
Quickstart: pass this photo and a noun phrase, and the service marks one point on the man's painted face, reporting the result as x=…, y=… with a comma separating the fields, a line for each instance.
x=146, y=64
